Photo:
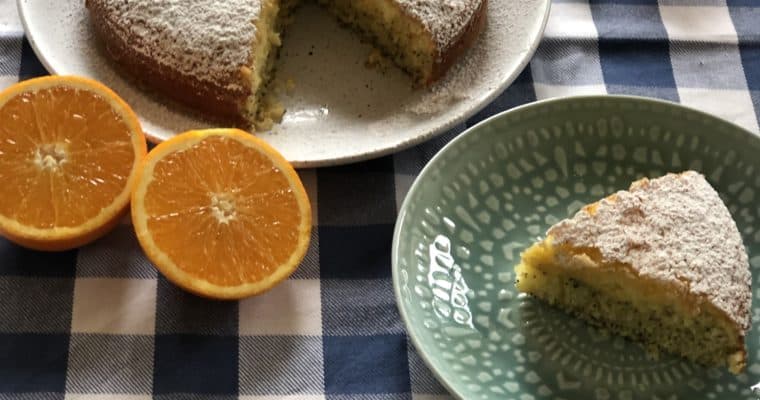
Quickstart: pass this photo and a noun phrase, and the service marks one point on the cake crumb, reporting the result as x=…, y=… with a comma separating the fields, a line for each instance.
x=270, y=112
x=377, y=60
x=290, y=85
x=456, y=85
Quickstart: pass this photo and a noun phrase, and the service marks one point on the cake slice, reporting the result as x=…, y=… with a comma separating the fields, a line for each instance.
x=662, y=264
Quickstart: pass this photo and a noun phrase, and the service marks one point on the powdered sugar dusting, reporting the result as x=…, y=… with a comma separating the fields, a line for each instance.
x=673, y=229
x=451, y=88
x=476, y=64
x=205, y=39
x=445, y=19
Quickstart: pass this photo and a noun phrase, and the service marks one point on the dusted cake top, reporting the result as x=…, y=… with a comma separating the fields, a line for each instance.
x=204, y=39
x=674, y=229
x=445, y=19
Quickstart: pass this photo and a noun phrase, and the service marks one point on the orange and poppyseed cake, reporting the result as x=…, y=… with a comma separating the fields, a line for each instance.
x=217, y=56
x=662, y=264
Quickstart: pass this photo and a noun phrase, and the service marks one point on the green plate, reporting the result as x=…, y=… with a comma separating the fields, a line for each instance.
x=495, y=190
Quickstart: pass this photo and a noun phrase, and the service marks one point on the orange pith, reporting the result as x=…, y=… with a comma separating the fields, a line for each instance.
x=69, y=148
x=221, y=213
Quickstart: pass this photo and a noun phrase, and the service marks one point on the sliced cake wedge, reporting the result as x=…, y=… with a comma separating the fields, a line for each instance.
x=662, y=264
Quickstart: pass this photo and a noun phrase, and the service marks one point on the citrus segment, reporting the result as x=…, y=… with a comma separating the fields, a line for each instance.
x=221, y=213
x=69, y=150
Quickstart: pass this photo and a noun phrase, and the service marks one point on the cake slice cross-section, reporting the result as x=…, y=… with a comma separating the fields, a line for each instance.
x=662, y=264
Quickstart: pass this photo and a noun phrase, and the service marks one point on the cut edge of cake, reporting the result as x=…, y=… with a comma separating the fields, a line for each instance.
x=662, y=264
x=259, y=111
x=425, y=52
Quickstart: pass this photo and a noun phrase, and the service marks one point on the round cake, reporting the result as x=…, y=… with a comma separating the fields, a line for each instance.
x=217, y=57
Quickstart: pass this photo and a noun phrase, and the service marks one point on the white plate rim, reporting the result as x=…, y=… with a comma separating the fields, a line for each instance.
x=476, y=106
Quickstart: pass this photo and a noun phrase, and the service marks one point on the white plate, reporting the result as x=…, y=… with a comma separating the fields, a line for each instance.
x=339, y=111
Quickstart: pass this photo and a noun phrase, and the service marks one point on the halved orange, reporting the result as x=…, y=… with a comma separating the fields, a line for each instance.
x=69, y=151
x=221, y=213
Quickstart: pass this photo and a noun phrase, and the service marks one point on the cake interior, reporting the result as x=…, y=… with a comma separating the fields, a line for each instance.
x=611, y=297
x=264, y=52
x=400, y=37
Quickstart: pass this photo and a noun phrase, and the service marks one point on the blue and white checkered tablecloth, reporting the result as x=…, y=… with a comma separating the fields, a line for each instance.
x=99, y=323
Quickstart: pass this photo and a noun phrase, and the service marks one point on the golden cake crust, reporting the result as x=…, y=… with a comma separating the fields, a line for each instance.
x=461, y=42
x=452, y=24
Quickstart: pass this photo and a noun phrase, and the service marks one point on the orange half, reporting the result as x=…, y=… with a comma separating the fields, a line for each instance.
x=221, y=213
x=69, y=151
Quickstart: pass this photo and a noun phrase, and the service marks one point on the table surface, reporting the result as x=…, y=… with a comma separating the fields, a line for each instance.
x=99, y=322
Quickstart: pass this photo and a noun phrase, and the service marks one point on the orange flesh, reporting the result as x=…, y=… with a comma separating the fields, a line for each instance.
x=61, y=149
x=222, y=212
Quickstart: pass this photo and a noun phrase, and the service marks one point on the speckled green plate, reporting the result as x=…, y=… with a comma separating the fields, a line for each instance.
x=495, y=189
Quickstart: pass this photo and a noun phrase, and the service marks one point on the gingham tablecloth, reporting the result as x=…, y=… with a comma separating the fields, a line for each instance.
x=99, y=323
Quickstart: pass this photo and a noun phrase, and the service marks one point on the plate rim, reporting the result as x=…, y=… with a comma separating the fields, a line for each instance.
x=430, y=165
x=393, y=148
